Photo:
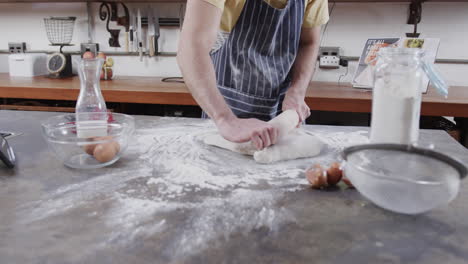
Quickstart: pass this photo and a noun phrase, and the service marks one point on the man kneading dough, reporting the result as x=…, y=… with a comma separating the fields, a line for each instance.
x=246, y=61
x=292, y=143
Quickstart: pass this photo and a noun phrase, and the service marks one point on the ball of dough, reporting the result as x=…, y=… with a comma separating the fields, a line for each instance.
x=317, y=177
x=334, y=174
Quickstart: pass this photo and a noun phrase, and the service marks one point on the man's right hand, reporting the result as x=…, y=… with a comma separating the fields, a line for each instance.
x=238, y=130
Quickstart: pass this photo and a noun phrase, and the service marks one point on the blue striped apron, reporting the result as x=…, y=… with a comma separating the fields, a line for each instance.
x=253, y=66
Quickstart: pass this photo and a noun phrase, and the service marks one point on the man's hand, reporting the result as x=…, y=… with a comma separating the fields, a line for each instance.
x=240, y=130
x=294, y=100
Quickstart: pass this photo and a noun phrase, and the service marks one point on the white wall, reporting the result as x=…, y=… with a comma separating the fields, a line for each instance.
x=350, y=25
x=22, y=22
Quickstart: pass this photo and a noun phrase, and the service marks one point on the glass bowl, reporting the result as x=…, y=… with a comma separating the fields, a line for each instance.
x=60, y=133
x=403, y=178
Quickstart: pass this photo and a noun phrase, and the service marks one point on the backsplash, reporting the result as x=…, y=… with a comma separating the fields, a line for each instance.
x=350, y=25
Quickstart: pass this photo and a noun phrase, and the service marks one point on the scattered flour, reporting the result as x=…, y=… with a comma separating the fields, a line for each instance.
x=341, y=140
x=172, y=172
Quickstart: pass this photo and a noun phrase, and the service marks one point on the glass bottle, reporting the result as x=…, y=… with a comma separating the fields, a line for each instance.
x=91, y=111
x=396, y=103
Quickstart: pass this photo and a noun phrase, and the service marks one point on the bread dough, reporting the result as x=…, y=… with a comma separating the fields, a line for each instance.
x=297, y=144
x=285, y=122
x=292, y=144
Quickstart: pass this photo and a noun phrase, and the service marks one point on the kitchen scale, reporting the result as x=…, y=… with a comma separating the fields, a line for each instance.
x=59, y=32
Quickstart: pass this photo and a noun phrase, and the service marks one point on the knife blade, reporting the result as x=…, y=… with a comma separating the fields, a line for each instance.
x=156, y=32
x=140, y=35
x=131, y=38
x=135, y=32
x=130, y=32
x=150, y=32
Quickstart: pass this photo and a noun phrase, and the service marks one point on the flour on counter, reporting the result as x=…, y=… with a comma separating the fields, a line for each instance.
x=341, y=140
x=169, y=171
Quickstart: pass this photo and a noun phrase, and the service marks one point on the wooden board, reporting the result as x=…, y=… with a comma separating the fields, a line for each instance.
x=122, y=90
x=320, y=95
x=344, y=98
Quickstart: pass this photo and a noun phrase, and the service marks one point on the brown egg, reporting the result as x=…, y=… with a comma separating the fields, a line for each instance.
x=316, y=176
x=105, y=152
x=89, y=148
x=110, y=140
x=334, y=174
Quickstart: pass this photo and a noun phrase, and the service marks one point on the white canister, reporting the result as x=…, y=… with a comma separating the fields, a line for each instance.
x=27, y=64
x=396, y=101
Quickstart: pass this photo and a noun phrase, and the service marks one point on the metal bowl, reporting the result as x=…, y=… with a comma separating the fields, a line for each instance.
x=60, y=133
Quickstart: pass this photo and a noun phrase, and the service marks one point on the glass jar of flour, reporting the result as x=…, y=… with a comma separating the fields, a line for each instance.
x=396, y=103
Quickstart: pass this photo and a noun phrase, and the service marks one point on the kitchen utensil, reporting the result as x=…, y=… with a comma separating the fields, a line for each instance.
x=106, y=13
x=140, y=35
x=151, y=32
x=60, y=33
x=125, y=21
x=7, y=156
x=59, y=29
x=135, y=30
x=7, y=134
x=75, y=152
x=132, y=29
x=27, y=64
x=403, y=178
x=396, y=103
x=59, y=65
x=131, y=39
x=181, y=15
x=157, y=33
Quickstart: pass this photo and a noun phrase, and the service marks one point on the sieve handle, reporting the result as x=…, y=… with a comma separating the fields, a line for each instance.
x=436, y=79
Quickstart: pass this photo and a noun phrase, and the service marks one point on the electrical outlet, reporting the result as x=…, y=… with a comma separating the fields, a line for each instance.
x=329, y=57
x=329, y=62
x=17, y=47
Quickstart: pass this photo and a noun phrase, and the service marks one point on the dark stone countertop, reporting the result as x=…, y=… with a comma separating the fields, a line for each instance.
x=171, y=199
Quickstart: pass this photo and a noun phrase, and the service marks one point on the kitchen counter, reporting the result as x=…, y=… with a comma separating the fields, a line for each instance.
x=321, y=96
x=171, y=199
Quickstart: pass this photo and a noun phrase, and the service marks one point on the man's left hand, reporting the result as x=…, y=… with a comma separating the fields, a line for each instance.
x=294, y=100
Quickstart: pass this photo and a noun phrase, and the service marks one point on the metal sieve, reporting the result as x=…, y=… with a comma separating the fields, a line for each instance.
x=403, y=178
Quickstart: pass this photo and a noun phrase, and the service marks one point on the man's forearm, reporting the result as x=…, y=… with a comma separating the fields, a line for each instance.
x=198, y=71
x=197, y=38
x=304, y=66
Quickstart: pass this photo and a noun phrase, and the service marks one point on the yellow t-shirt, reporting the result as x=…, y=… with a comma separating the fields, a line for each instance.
x=316, y=11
